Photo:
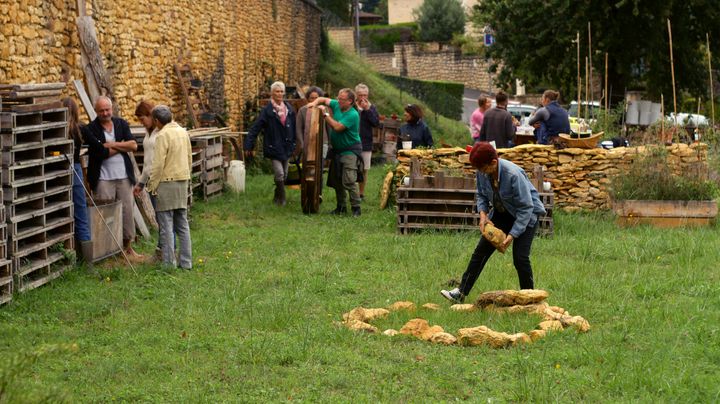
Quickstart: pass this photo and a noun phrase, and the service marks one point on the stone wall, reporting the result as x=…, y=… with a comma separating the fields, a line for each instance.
x=344, y=37
x=234, y=47
x=580, y=177
x=434, y=62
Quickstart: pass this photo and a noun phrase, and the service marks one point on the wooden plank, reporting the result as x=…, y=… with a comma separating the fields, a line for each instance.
x=142, y=201
x=85, y=100
x=36, y=107
x=30, y=94
x=190, y=111
x=140, y=222
x=682, y=209
x=89, y=43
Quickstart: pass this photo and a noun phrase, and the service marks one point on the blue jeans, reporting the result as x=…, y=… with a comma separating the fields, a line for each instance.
x=174, y=223
x=520, y=250
x=82, y=225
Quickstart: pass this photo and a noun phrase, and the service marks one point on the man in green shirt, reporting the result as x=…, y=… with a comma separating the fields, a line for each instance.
x=344, y=122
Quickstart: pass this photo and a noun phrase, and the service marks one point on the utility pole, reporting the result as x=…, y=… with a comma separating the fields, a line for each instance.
x=356, y=24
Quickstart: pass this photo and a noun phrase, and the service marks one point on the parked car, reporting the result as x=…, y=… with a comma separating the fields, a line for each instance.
x=521, y=112
x=594, y=107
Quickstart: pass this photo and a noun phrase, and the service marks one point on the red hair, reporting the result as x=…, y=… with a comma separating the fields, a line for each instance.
x=482, y=154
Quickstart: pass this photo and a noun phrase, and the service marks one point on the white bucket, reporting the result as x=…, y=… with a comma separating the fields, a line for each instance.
x=236, y=176
x=407, y=145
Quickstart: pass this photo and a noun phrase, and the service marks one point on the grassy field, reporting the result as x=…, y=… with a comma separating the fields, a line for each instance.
x=254, y=320
x=341, y=69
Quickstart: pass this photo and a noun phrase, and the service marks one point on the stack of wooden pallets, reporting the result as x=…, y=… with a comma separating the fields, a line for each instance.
x=37, y=187
x=212, y=172
x=437, y=202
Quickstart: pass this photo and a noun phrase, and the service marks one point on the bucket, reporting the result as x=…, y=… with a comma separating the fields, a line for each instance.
x=406, y=145
x=236, y=176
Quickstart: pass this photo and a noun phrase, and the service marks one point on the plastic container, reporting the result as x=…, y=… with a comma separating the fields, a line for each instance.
x=406, y=145
x=236, y=176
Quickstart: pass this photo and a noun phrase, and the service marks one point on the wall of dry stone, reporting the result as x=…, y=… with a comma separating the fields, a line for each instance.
x=434, y=62
x=580, y=177
x=343, y=36
x=234, y=46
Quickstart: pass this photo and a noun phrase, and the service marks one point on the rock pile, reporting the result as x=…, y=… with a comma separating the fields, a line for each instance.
x=580, y=177
x=530, y=301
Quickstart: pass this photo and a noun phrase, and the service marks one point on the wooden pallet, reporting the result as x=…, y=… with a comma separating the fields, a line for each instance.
x=430, y=208
x=29, y=223
x=25, y=190
x=16, y=122
x=38, y=202
x=49, y=168
x=38, y=152
x=44, y=264
x=546, y=226
x=54, y=230
x=6, y=281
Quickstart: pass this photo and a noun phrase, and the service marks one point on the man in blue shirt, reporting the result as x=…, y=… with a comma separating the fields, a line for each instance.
x=515, y=209
x=346, y=156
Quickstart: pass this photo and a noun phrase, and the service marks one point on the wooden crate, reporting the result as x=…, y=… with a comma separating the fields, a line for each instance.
x=103, y=244
x=431, y=208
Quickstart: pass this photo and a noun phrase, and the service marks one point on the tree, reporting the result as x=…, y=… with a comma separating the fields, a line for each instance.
x=369, y=5
x=438, y=20
x=535, y=42
x=341, y=8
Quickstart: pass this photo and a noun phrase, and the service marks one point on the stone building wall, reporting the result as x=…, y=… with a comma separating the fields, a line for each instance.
x=344, y=37
x=580, y=177
x=434, y=62
x=234, y=46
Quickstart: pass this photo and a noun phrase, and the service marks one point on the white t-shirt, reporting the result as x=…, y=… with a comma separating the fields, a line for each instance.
x=112, y=168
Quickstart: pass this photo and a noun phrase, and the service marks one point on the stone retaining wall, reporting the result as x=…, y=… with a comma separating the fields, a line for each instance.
x=580, y=177
x=433, y=62
x=234, y=46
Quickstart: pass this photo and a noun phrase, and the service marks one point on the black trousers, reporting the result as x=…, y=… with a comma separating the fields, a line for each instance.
x=520, y=250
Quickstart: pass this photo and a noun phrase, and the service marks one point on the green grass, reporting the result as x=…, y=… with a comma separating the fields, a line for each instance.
x=341, y=69
x=255, y=320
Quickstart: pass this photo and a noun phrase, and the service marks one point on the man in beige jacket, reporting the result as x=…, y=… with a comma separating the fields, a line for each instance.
x=169, y=178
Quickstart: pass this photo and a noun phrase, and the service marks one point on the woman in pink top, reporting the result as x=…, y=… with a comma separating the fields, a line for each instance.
x=476, y=119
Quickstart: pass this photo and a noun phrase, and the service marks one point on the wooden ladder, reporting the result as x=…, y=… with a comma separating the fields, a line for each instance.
x=192, y=89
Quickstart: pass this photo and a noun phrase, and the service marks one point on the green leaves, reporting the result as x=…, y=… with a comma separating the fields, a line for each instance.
x=440, y=19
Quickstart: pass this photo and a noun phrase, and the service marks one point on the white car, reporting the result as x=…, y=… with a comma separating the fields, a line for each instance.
x=521, y=112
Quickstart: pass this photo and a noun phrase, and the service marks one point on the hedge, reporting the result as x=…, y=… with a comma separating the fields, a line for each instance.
x=382, y=38
x=445, y=98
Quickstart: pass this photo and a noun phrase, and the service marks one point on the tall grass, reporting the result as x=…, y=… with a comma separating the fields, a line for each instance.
x=254, y=320
x=341, y=69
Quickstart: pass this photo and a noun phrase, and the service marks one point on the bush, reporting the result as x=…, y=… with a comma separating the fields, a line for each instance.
x=445, y=98
x=382, y=38
x=650, y=178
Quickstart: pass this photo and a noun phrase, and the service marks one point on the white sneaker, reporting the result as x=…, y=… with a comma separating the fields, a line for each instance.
x=453, y=295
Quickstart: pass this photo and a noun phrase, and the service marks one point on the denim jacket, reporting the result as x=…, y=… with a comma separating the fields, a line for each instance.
x=518, y=195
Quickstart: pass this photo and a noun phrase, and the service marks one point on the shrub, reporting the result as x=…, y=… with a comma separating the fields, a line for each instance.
x=650, y=178
x=382, y=38
x=445, y=98
x=440, y=19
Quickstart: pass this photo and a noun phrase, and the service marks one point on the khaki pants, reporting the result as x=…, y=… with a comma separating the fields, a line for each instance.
x=119, y=190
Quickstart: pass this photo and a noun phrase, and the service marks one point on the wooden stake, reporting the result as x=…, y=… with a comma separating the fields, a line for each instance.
x=662, y=119
x=606, y=82
x=579, y=81
x=712, y=96
x=672, y=71
x=587, y=91
x=590, y=80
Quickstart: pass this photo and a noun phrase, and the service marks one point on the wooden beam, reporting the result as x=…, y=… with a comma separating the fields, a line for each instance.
x=91, y=47
x=87, y=104
x=142, y=202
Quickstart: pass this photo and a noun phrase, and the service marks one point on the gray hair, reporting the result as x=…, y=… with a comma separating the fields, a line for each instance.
x=163, y=114
x=102, y=98
x=362, y=86
x=277, y=84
